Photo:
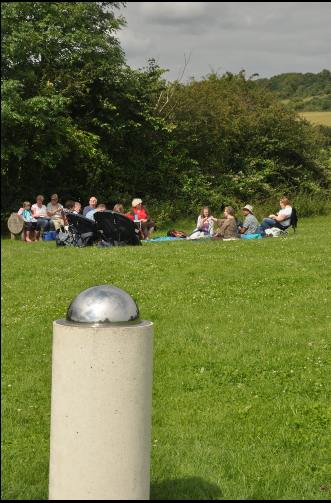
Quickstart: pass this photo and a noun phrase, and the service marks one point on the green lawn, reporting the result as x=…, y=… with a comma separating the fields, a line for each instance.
x=241, y=388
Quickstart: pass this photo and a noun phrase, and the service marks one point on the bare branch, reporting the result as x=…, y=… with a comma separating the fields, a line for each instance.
x=158, y=101
x=181, y=73
x=176, y=83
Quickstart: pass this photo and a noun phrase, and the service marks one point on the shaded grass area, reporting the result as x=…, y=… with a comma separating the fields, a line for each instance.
x=241, y=388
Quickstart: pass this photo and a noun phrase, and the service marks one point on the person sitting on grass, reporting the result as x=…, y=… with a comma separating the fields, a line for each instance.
x=92, y=206
x=90, y=214
x=227, y=228
x=282, y=220
x=250, y=225
x=147, y=226
x=29, y=221
x=205, y=225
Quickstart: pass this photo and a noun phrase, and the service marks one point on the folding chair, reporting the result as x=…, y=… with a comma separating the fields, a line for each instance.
x=84, y=227
x=117, y=228
x=293, y=221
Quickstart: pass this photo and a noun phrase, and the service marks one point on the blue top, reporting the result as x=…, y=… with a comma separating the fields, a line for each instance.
x=90, y=214
x=86, y=210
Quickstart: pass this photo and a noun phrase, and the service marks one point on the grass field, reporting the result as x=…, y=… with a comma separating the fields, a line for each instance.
x=323, y=118
x=241, y=386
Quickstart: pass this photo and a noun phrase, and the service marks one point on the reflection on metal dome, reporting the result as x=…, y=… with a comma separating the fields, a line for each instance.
x=103, y=304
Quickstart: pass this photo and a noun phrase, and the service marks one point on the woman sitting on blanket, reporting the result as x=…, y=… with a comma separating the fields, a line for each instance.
x=147, y=226
x=205, y=225
x=227, y=228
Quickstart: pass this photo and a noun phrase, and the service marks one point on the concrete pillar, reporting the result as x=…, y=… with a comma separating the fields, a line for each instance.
x=101, y=399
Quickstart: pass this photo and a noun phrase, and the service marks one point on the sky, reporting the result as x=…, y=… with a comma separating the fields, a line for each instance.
x=268, y=38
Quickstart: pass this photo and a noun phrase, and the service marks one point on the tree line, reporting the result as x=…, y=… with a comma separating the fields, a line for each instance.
x=77, y=120
x=303, y=91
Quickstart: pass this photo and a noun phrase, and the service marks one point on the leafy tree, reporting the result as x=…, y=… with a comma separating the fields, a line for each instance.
x=46, y=54
x=77, y=119
x=41, y=39
x=235, y=139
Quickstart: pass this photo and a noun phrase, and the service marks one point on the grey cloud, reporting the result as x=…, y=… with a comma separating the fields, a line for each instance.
x=133, y=43
x=264, y=37
x=164, y=12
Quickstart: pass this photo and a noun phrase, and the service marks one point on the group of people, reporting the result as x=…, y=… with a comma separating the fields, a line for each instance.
x=229, y=227
x=138, y=212
x=45, y=218
x=52, y=217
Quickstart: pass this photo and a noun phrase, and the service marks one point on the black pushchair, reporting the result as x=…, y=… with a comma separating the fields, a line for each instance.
x=118, y=229
x=85, y=230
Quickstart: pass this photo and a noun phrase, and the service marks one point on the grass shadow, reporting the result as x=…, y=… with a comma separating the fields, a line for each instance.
x=187, y=488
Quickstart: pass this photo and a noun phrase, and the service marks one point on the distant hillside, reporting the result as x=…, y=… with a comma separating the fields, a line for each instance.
x=302, y=91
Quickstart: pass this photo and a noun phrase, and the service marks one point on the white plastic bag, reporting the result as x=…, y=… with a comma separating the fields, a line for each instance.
x=274, y=231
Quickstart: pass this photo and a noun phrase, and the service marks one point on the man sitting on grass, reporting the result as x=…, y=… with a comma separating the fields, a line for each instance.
x=250, y=225
x=90, y=214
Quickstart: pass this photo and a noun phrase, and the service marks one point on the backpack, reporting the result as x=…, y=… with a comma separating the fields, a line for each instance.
x=66, y=239
x=294, y=218
x=69, y=239
x=176, y=234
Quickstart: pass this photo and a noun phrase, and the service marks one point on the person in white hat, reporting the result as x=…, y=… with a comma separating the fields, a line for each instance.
x=147, y=226
x=250, y=225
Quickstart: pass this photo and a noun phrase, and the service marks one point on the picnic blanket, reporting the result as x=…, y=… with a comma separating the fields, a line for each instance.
x=168, y=238
x=252, y=236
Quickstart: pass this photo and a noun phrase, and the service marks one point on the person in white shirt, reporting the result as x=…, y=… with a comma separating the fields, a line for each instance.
x=54, y=212
x=282, y=220
x=39, y=211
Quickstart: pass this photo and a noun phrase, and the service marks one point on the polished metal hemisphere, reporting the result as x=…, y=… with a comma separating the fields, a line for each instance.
x=103, y=305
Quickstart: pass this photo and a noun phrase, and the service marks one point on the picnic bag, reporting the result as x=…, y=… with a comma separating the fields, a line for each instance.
x=71, y=239
x=176, y=234
x=49, y=236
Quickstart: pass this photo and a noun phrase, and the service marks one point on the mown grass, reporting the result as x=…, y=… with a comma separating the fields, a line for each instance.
x=241, y=391
x=323, y=118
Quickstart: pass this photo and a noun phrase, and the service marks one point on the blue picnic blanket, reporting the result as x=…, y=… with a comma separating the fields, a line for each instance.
x=166, y=238
x=251, y=236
